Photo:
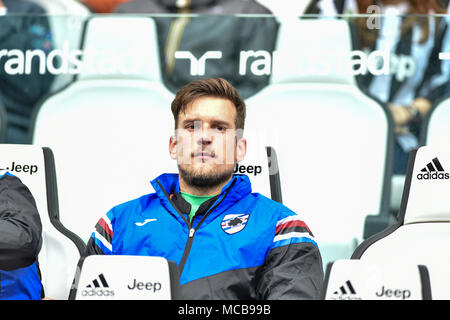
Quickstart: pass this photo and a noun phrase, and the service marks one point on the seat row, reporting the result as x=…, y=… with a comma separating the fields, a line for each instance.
x=408, y=260
x=109, y=137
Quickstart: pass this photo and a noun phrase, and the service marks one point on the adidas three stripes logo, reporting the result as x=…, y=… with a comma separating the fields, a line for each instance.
x=347, y=288
x=434, y=165
x=96, y=284
x=433, y=171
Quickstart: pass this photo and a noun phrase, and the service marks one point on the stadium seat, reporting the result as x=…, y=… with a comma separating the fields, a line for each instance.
x=350, y=279
x=435, y=129
x=61, y=249
x=261, y=166
x=334, y=143
x=3, y=123
x=422, y=232
x=124, y=277
x=110, y=128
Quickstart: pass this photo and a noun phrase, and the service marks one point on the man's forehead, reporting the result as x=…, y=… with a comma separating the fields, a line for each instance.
x=208, y=109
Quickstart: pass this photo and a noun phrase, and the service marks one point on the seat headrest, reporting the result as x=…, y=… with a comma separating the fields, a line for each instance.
x=261, y=166
x=125, y=277
x=436, y=126
x=427, y=186
x=120, y=47
x=316, y=50
x=360, y=280
x=27, y=163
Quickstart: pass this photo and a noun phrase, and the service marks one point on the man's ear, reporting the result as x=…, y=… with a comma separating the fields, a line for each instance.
x=173, y=147
x=241, y=149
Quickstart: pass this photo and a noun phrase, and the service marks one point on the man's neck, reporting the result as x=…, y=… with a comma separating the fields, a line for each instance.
x=210, y=191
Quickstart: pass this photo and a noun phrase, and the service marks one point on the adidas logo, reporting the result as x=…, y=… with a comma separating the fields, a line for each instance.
x=346, y=292
x=98, y=287
x=96, y=284
x=433, y=171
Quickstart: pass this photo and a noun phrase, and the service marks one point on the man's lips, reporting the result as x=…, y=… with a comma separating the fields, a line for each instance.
x=203, y=155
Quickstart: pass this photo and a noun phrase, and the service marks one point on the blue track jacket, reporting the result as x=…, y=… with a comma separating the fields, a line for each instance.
x=241, y=245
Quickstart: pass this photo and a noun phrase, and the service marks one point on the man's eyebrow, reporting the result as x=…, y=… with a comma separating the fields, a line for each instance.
x=191, y=120
x=220, y=123
x=213, y=122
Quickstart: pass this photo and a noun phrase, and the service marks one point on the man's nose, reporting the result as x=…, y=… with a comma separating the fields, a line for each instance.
x=205, y=137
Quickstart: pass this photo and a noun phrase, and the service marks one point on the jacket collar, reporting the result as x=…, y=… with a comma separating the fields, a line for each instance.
x=237, y=188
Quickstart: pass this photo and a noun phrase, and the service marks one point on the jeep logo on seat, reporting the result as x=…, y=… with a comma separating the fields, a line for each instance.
x=27, y=168
x=255, y=170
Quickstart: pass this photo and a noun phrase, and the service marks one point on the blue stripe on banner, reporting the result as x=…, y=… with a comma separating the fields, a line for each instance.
x=286, y=242
x=101, y=245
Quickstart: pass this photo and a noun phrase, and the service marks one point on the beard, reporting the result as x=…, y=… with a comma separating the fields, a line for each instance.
x=204, y=180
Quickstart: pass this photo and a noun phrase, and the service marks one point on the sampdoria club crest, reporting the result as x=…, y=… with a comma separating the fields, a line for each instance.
x=233, y=223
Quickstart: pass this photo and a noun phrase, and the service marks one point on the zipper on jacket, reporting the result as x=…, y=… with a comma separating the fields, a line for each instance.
x=192, y=230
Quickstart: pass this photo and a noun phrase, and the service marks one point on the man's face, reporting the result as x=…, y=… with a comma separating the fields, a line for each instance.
x=206, y=144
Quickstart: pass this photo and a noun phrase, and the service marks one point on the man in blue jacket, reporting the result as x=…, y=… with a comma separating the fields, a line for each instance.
x=228, y=242
x=20, y=241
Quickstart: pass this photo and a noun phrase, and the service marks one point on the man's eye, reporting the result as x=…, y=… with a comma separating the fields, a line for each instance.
x=221, y=129
x=193, y=126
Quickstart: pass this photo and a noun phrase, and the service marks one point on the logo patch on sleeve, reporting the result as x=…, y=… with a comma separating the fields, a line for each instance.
x=233, y=223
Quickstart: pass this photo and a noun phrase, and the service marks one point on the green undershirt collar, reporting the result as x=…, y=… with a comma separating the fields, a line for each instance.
x=195, y=202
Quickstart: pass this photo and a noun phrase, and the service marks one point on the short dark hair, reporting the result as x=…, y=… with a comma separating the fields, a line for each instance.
x=213, y=87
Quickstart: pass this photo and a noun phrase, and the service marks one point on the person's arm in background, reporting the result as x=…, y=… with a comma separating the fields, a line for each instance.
x=403, y=115
x=293, y=267
x=437, y=72
x=20, y=224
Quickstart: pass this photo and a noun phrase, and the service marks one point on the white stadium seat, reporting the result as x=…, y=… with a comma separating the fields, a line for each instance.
x=110, y=129
x=61, y=249
x=422, y=232
x=436, y=129
x=122, y=277
x=261, y=166
x=334, y=144
x=350, y=279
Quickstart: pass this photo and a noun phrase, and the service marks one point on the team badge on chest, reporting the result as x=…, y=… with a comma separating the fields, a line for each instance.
x=233, y=223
